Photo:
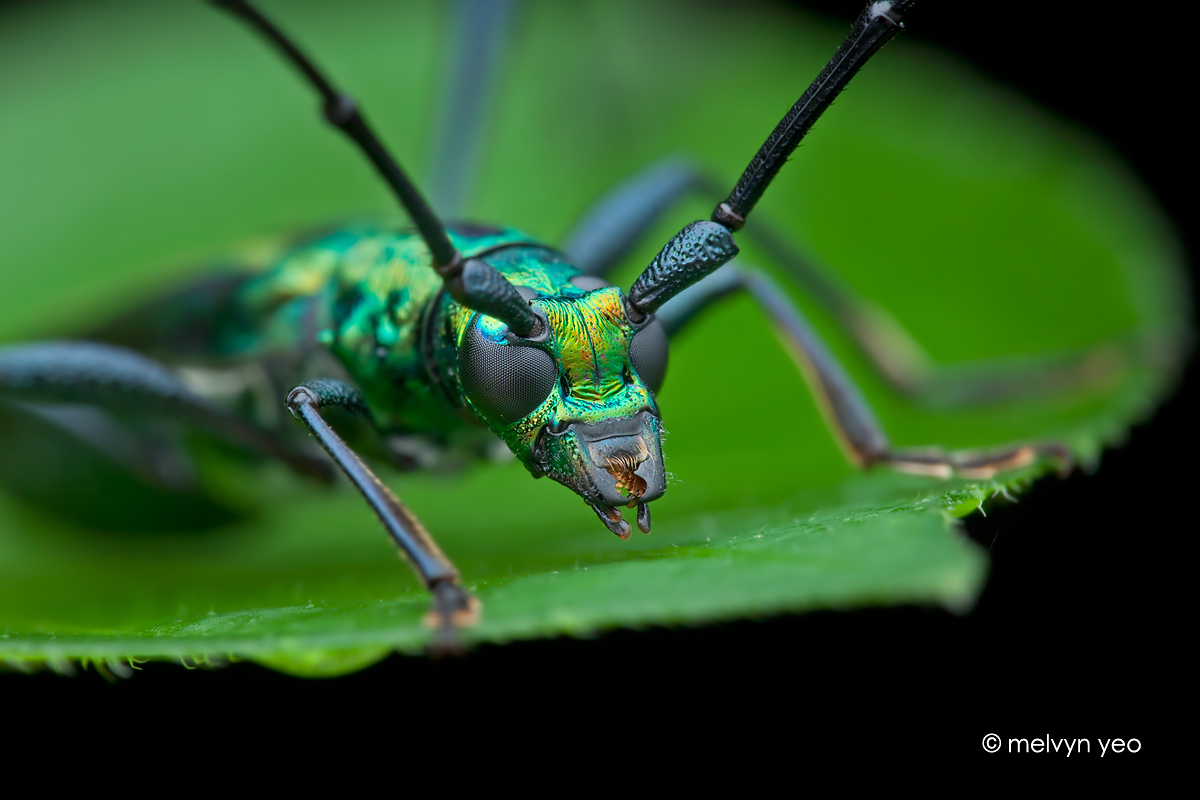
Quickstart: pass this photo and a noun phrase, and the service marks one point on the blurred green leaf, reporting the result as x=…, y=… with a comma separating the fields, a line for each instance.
x=140, y=141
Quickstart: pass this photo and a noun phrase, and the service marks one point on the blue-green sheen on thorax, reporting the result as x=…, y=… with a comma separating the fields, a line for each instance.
x=364, y=304
x=364, y=295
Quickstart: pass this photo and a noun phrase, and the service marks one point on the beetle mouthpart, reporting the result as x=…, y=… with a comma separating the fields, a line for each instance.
x=621, y=466
x=612, y=519
x=643, y=518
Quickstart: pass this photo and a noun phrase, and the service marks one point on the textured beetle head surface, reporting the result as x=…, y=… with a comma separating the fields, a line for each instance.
x=576, y=402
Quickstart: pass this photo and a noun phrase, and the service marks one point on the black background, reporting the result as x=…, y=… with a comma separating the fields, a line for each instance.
x=1080, y=631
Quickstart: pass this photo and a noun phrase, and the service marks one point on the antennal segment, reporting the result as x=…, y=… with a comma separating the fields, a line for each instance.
x=342, y=112
x=877, y=24
x=702, y=247
x=470, y=282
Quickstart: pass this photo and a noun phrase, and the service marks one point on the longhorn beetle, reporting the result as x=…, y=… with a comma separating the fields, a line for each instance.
x=457, y=330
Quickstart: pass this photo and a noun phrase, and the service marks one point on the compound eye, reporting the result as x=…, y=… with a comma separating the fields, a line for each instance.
x=648, y=354
x=505, y=382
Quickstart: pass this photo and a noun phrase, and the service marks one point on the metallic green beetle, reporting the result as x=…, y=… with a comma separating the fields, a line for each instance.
x=445, y=337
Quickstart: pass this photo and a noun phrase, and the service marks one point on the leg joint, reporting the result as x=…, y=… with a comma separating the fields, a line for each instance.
x=299, y=397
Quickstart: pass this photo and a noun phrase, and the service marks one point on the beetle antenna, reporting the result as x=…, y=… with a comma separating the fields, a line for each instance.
x=874, y=28
x=342, y=112
x=703, y=247
x=469, y=281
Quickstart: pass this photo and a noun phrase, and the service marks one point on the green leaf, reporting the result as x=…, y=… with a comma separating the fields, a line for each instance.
x=141, y=141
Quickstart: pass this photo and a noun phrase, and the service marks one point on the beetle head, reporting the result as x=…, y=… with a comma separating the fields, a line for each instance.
x=576, y=401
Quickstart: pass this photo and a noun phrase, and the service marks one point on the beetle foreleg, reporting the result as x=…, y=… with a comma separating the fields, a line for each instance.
x=977, y=466
x=452, y=606
x=845, y=410
x=901, y=360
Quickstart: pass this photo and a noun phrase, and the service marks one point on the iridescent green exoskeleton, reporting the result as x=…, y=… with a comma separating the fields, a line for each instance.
x=410, y=345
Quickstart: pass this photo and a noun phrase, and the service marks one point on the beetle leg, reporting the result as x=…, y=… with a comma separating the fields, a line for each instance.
x=845, y=410
x=475, y=50
x=126, y=383
x=79, y=464
x=452, y=606
x=903, y=363
x=612, y=226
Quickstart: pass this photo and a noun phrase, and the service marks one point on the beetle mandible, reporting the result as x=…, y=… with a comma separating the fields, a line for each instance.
x=475, y=329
